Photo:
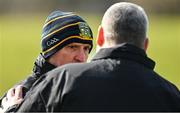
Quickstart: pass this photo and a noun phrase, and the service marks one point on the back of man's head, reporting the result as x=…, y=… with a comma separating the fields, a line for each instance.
x=125, y=23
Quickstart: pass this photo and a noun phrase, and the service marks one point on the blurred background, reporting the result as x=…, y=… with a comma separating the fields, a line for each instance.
x=21, y=22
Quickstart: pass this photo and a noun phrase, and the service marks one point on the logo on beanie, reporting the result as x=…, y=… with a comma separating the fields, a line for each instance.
x=52, y=41
x=85, y=30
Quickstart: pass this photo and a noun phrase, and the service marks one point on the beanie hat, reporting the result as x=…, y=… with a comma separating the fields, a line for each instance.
x=61, y=29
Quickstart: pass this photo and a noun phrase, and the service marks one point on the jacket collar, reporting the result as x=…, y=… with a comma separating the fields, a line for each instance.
x=41, y=66
x=127, y=51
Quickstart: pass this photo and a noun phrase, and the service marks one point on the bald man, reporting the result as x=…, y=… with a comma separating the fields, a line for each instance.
x=119, y=78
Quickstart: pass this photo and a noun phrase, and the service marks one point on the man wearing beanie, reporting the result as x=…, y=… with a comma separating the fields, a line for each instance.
x=119, y=78
x=66, y=38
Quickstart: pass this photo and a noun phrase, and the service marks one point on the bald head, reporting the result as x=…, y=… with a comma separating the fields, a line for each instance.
x=125, y=23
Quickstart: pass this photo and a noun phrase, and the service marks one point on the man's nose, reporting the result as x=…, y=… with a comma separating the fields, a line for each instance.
x=81, y=56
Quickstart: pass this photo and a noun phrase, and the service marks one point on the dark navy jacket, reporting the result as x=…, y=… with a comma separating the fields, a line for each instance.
x=117, y=79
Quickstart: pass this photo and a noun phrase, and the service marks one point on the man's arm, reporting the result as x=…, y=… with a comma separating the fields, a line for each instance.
x=15, y=93
x=46, y=95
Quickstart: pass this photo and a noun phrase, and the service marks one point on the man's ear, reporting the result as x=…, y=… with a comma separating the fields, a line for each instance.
x=100, y=37
x=146, y=43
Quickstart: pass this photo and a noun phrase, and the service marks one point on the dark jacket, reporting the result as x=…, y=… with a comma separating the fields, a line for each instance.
x=40, y=67
x=117, y=79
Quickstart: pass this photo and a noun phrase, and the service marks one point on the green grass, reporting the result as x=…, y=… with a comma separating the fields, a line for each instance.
x=20, y=39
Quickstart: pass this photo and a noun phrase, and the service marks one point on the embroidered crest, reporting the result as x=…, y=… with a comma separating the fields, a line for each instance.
x=85, y=30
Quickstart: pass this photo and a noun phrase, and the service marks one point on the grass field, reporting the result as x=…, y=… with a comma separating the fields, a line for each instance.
x=20, y=39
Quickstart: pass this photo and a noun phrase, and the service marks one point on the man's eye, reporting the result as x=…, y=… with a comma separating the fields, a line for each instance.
x=72, y=47
x=87, y=49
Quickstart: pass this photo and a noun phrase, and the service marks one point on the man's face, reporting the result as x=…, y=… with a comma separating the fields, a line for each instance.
x=72, y=53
